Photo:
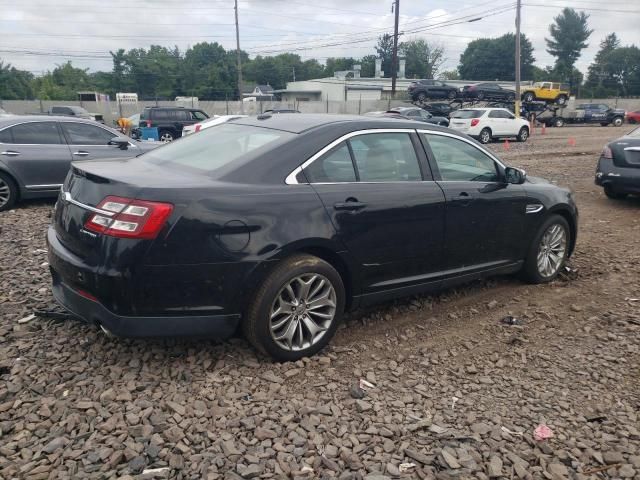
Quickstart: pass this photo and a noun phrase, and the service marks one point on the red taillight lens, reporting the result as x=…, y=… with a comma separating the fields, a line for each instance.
x=131, y=218
x=606, y=152
x=148, y=124
x=198, y=127
x=475, y=121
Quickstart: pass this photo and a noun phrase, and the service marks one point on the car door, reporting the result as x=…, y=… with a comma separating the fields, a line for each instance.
x=378, y=192
x=484, y=215
x=511, y=124
x=497, y=123
x=89, y=142
x=36, y=153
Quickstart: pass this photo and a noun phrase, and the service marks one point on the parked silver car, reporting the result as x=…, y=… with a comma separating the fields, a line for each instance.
x=36, y=152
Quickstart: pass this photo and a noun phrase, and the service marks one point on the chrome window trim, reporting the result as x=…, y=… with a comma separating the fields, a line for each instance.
x=291, y=178
x=49, y=185
x=66, y=196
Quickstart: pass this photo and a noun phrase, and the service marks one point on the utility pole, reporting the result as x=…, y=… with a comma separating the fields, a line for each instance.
x=517, y=104
x=394, y=58
x=239, y=60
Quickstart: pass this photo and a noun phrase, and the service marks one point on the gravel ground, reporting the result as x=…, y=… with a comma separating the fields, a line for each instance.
x=449, y=390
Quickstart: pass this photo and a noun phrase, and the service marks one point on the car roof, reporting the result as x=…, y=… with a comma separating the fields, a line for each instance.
x=310, y=121
x=15, y=119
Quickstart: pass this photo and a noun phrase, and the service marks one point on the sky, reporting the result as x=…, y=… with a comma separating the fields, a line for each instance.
x=37, y=35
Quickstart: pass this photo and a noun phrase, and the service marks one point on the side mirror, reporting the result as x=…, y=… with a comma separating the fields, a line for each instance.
x=121, y=142
x=515, y=176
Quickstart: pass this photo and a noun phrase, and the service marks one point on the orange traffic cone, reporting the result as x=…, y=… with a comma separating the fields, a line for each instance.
x=506, y=145
x=572, y=142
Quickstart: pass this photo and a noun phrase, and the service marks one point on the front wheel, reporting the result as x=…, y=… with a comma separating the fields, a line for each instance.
x=296, y=310
x=8, y=192
x=529, y=97
x=561, y=100
x=558, y=122
x=480, y=96
x=523, y=135
x=485, y=136
x=548, y=252
x=617, y=122
x=422, y=97
x=452, y=95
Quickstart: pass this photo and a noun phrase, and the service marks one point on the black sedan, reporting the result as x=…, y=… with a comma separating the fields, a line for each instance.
x=278, y=224
x=618, y=170
x=419, y=114
x=421, y=90
x=488, y=91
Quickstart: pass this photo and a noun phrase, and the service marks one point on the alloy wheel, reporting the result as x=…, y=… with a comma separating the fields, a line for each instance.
x=166, y=137
x=551, y=250
x=5, y=193
x=302, y=312
x=485, y=136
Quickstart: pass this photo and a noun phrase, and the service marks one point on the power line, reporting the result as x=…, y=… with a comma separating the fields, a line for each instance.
x=582, y=8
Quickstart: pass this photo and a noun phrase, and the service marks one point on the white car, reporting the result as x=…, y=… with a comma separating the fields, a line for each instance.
x=488, y=123
x=209, y=122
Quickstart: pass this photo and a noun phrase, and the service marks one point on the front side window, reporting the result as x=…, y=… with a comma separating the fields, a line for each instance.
x=36, y=133
x=84, y=134
x=6, y=136
x=460, y=161
x=385, y=157
x=334, y=167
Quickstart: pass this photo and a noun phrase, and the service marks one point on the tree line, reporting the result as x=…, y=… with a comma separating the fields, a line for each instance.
x=208, y=71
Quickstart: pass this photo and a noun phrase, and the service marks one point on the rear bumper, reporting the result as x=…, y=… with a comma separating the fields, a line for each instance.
x=78, y=288
x=620, y=180
x=218, y=326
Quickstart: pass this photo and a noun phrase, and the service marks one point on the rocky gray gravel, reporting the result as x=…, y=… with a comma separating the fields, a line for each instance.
x=450, y=391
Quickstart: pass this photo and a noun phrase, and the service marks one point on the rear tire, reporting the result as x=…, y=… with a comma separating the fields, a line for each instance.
x=279, y=320
x=523, y=135
x=485, y=136
x=8, y=192
x=451, y=95
x=561, y=100
x=610, y=193
x=166, y=136
x=529, y=97
x=558, y=122
x=548, y=251
x=480, y=96
x=422, y=97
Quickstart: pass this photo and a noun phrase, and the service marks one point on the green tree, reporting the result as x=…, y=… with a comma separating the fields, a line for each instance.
x=384, y=50
x=423, y=59
x=623, y=65
x=449, y=75
x=569, y=34
x=368, y=66
x=62, y=83
x=15, y=84
x=494, y=58
x=337, y=64
x=599, y=81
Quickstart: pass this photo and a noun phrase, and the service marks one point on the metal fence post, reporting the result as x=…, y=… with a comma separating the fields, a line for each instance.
x=226, y=99
x=327, y=104
x=360, y=104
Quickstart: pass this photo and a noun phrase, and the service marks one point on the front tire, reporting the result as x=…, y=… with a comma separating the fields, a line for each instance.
x=8, y=192
x=558, y=122
x=452, y=95
x=296, y=310
x=549, y=251
x=422, y=97
x=523, y=135
x=485, y=136
x=480, y=96
x=617, y=122
x=561, y=100
x=529, y=97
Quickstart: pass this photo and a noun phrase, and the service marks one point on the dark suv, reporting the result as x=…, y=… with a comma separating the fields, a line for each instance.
x=420, y=90
x=170, y=120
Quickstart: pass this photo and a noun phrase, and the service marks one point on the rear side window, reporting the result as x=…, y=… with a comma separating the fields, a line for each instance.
x=62, y=110
x=214, y=147
x=385, y=157
x=36, y=133
x=160, y=115
x=83, y=134
x=182, y=115
x=5, y=136
x=334, y=167
x=198, y=115
x=466, y=114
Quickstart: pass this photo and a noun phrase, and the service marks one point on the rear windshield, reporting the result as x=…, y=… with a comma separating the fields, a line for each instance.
x=467, y=114
x=213, y=148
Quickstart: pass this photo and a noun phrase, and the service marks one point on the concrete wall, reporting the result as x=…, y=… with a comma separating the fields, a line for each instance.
x=110, y=111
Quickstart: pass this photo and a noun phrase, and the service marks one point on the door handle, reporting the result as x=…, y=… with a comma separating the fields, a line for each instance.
x=11, y=153
x=463, y=198
x=350, y=205
x=81, y=154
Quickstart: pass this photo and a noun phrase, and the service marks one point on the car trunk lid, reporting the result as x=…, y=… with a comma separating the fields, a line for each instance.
x=626, y=152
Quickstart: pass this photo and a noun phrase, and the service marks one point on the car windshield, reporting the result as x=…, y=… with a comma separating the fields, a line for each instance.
x=214, y=147
x=467, y=114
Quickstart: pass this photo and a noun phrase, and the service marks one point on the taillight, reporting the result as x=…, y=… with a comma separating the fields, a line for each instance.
x=198, y=127
x=607, y=153
x=475, y=121
x=148, y=124
x=131, y=218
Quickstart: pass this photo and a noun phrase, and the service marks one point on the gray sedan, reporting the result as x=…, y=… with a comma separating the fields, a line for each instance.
x=36, y=152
